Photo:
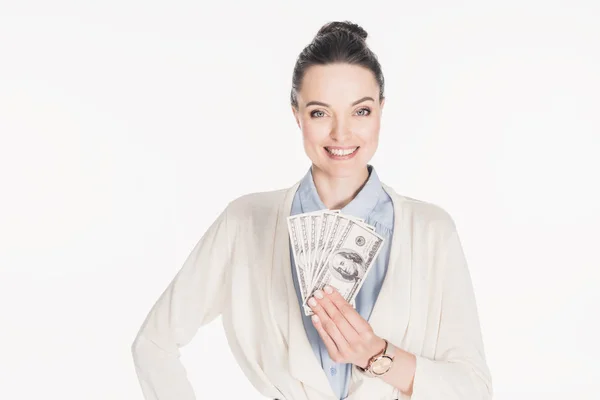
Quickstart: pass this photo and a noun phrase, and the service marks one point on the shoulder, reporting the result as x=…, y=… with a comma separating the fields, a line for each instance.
x=427, y=211
x=421, y=212
x=256, y=203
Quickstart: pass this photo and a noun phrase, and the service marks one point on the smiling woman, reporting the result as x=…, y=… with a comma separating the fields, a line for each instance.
x=337, y=97
x=412, y=330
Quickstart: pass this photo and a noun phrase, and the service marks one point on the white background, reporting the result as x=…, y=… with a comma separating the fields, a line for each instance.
x=126, y=127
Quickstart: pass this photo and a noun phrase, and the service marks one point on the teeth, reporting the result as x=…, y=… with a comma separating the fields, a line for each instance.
x=339, y=152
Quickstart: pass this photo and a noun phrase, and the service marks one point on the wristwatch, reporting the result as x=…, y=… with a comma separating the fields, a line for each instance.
x=381, y=362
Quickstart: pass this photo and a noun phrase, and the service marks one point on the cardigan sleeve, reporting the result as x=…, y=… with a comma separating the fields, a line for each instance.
x=194, y=297
x=459, y=369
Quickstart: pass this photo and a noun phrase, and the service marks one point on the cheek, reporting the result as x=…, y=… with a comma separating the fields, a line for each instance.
x=369, y=135
x=314, y=134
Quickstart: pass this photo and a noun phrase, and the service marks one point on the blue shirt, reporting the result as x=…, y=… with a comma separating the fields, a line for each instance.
x=375, y=206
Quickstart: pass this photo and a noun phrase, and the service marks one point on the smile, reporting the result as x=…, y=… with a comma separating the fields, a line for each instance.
x=341, y=153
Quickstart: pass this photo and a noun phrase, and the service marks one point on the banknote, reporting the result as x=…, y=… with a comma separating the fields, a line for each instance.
x=330, y=248
x=304, y=279
x=300, y=232
x=348, y=262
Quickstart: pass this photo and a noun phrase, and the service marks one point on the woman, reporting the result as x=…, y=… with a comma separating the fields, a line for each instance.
x=413, y=330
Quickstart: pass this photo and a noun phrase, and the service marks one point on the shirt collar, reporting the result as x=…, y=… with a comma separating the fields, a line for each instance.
x=360, y=206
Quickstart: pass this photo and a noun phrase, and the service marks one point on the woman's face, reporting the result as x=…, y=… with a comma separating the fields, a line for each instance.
x=339, y=111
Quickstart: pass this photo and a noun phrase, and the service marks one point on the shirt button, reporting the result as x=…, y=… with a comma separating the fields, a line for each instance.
x=333, y=371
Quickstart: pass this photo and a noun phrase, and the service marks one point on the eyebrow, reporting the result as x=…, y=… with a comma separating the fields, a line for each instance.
x=319, y=103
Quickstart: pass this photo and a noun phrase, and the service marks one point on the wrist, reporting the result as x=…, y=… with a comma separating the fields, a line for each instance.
x=378, y=347
x=403, y=373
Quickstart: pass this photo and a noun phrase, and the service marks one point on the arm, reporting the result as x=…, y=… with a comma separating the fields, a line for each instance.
x=193, y=298
x=458, y=370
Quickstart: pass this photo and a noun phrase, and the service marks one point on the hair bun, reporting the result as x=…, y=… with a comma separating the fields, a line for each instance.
x=345, y=26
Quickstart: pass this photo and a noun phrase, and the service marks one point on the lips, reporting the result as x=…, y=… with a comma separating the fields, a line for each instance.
x=341, y=151
x=341, y=154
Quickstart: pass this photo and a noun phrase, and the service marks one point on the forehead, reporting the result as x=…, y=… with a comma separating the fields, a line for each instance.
x=338, y=84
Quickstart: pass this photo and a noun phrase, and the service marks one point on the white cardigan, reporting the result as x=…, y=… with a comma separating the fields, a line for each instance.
x=240, y=268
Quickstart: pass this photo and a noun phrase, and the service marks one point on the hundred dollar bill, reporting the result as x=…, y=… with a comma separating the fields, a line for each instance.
x=298, y=252
x=348, y=262
x=302, y=236
x=303, y=221
x=336, y=230
x=313, y=218
x=307, y=231
x=325, y=224
x=316, y=236
x=335, y=227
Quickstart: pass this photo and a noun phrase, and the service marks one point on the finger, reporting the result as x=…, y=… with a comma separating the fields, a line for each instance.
x=347, y=331
x=358, y=323
x=327, y=340
x=329, y=325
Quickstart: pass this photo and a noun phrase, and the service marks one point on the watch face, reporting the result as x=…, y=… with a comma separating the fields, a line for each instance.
x=382, y=365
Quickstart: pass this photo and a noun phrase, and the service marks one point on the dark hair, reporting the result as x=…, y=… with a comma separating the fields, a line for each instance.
x=336, y=42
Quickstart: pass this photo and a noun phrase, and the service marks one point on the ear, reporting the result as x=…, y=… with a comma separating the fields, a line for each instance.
x=381, y=103
x=296, y=117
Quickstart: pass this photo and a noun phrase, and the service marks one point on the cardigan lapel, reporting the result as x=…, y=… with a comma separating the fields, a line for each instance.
x=303, y=364
x=392, y=307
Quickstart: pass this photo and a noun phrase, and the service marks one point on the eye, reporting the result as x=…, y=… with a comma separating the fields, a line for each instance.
x=365, y=111
x=313, y=114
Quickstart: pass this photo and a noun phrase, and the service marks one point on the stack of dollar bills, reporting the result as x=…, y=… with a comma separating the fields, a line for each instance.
x=330, y=248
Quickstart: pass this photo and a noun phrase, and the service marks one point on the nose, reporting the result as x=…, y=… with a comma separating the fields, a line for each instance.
x=340, y=131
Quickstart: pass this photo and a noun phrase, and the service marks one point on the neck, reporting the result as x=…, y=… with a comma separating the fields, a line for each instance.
x=334, y=192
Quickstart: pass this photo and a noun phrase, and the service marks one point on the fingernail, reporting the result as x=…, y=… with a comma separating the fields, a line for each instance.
x=315, y=318
x=319, y=294
x=312, y=302
x=328, y=289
